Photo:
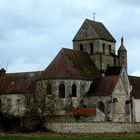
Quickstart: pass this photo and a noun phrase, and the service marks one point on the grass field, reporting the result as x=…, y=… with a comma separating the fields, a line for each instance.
x=35, y=138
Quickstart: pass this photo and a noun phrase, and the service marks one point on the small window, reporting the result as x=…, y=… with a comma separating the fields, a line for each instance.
x=101, y=106
x=109, y=49
x=91, y=48
x=123, y=75
x=103, y=48
x=81, y=47
x=123, y=60
x=18, y=102
x=9, y=103
x=28, y=100
x=39, y=83
x=49, y=89
x=74, y=90
x=62, y=91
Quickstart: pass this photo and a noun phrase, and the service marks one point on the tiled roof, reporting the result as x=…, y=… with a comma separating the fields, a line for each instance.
x=103, y=86
x=71, y=64
x=122, y=47
x=135, y=82
x=116, y=70
x=16, y=83
x=97, y=31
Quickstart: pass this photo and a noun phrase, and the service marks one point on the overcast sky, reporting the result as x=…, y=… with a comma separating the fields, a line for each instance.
x=32, y=32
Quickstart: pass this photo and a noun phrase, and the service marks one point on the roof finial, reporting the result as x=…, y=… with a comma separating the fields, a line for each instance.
x=122, y=41
x=94, y=16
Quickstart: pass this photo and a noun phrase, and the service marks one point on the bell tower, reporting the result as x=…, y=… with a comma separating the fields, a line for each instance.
x=94, y=38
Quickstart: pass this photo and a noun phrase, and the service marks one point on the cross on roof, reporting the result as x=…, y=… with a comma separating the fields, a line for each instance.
x=94, y=16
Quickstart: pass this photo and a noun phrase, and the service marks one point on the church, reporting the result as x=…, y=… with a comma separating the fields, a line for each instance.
x=86, y=84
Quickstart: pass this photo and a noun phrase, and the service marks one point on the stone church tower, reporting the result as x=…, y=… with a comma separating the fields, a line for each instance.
x=97, y=41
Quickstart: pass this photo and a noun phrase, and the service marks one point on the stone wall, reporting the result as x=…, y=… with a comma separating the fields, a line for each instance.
x=137, y=109
x=96, y=127
x=100, y=59
x=97, y=46
x=61, y=105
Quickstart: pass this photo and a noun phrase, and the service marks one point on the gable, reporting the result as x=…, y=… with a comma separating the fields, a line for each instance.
x=125, y=79
x=120, y=70
x=85, y=32
x=120, y=88
x=93, y=30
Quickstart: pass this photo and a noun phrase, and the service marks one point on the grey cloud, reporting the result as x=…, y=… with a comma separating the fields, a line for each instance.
x=33, y=31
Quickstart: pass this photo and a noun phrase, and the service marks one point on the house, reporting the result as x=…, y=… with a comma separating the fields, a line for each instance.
x=87, y=83
x=15, y=91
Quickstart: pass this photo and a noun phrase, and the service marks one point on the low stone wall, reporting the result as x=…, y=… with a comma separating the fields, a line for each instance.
x=95, y=127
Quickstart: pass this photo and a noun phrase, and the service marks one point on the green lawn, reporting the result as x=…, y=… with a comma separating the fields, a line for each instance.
x=32, y=138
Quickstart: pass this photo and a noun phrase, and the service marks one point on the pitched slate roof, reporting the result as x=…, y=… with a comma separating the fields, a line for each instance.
x=96, y=30
x=114, y=70
x=17, y=83
x=135, y=82
x=71, y=64
x=122, y=49
x=103, y=86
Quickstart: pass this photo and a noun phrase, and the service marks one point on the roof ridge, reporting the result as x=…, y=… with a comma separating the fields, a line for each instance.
x=23, y=72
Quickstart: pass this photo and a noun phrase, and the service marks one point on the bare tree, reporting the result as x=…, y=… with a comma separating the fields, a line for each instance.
x=41, y=104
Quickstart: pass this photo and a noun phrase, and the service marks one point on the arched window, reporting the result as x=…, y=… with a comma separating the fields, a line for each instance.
x=81, y=47
x=74, y=90
x=91, y=48
x=49, y=89
x=103, y=48
x=62, y=91
x=101, y=106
